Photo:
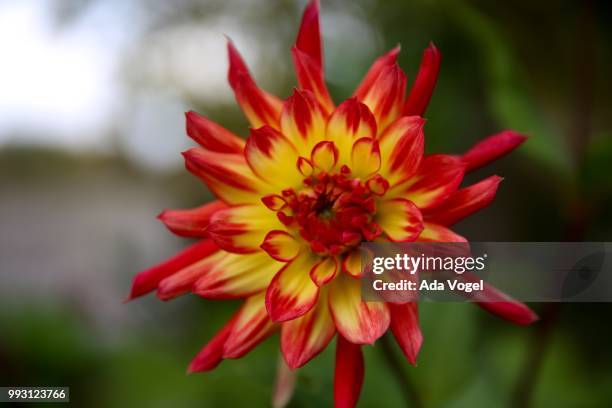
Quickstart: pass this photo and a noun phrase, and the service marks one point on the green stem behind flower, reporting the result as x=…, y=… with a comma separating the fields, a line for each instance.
x=396, y=366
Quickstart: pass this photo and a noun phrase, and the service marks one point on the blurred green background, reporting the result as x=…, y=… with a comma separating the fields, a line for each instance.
x=92, y=95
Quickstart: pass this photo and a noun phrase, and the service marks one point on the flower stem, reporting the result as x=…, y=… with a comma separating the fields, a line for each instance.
x=396, y=366
x=532, y=366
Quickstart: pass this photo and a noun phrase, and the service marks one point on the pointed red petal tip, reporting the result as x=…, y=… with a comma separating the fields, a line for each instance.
x=211, y=354
x=148, y=280
x=307, y=56
x=432, y=49
x=210, y=135
x=502, y=305
x=190, y=222
x=465, y=201
x=388, y=58
x=406, y=329
x=516, y=313
x=492, y=148
x=377, y=67
x=258, y=106
x=385, y=95
x=349, y=373
x=424, y=82
x=309, y=35
x=394, y=52
x=237, y=67
x=215, y=169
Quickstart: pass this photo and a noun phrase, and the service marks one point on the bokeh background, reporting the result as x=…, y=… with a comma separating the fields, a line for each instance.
x=92, y=95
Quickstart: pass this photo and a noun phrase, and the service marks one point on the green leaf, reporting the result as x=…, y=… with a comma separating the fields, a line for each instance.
x=510, y=102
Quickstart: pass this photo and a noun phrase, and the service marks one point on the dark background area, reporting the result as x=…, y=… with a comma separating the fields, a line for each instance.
x=92, y=95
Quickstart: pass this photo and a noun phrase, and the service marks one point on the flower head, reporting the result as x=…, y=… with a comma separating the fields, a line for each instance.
x=311, y=182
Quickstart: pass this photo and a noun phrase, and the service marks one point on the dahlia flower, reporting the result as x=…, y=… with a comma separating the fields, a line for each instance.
x=295, y=200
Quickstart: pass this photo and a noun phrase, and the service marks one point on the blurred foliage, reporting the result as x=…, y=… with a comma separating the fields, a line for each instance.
x=511, y=104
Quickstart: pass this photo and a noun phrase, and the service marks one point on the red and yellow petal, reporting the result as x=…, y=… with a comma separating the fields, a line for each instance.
x=405, y=327
x=183, y=281
x=304, y=166
x=438, y=233
x=402, y=146
x=303, y=121
x=365, y=157
x=324, y=271
x=305, y=337
x=292, y=293
x=438, y=176
x=385, y=97
x=236, y=276
x=212, y=136
x=349, y=373
x=310, y=77
x=377, y=185
x=424, y=83
x=358, y=321
x=148, y=280
x=191, y=222
x=351, y=264
x=324, y=156
x=251, y=327
x=281, y=245
x=352, y=120
x=259, y=107
x=464, y=202
x=273, y=202
x=492, y=148
x=387, y=60
x=270, y=154
x=226, y=175
x=242, y=228
x=400, y=219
